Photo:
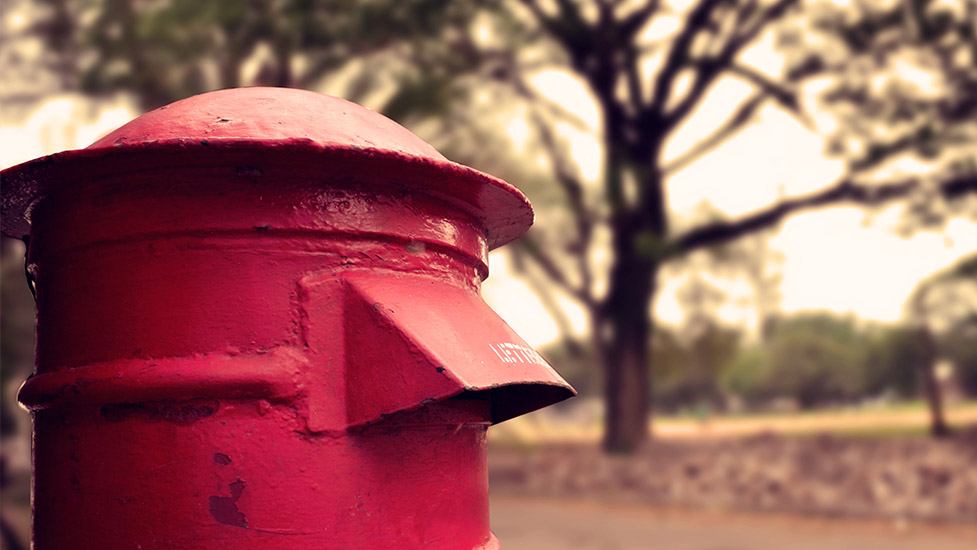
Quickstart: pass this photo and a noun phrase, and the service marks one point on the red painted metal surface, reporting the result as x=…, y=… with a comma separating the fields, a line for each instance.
x=259, y=326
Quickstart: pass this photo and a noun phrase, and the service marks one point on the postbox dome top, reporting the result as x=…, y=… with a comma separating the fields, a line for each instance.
x=257, y=123
x=273, y=115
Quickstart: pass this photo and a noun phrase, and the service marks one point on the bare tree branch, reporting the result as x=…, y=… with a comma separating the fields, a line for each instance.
x=777, y=10
x=544, y=293
x=767, y=88
x=879, y=153
x=843, y=191
x=552, y=108
x=785, y=95
x=625, y=34
x=711, y=68
x=568, y=28
x=621, y=50
x=632, y=72
x=680, y=52
x=742, y=115
x=549, y=266
x=636, y=20
x=573, y=188
x=544, y=20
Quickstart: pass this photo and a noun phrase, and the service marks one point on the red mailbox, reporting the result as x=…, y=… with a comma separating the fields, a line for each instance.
x=259, y=326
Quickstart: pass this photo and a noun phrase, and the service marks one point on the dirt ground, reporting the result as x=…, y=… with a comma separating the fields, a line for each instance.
x=523, y=523
x=898, y=479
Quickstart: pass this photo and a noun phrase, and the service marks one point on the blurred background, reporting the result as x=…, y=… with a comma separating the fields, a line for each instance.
x=755, y=254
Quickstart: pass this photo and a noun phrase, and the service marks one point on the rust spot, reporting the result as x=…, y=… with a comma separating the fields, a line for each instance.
x=224, y=509
x=222, y=459
x=177, y=412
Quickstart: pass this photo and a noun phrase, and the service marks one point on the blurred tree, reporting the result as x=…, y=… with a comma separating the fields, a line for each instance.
x=170, y=50
x=748, y=376
x=671, y=358
x=688, y=365
x=944, y=302
x=27, y=70
x=819, y=358
x=688, y=375
x=607, y=45
x=816, y=359
x=748, y=259
x=892, y=362
x=760, y=266
x=959, y=345
x=437, y=57
x=899, y=79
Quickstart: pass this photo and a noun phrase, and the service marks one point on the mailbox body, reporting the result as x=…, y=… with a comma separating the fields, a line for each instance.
x=249, y=339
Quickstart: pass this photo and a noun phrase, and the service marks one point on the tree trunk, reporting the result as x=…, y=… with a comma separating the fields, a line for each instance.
x=633, y=185
x=625, y=354
x=931, y=386
x=627, y=388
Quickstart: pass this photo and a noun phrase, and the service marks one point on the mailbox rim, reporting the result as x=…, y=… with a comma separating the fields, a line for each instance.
x=503, y=210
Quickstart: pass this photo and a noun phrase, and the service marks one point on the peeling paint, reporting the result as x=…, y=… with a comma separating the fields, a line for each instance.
x=224, y=509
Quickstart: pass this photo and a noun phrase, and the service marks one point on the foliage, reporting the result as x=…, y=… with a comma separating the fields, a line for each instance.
x=813, y=358
x=899, y=81
x=688, y=375
x=959, y=346
x=893, y=361
x=687, y=370
x=165, y=51
x=749, y=377
x=945, y=303
x=819, y=359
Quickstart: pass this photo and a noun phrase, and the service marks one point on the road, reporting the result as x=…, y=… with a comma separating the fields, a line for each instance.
x=536, y=524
